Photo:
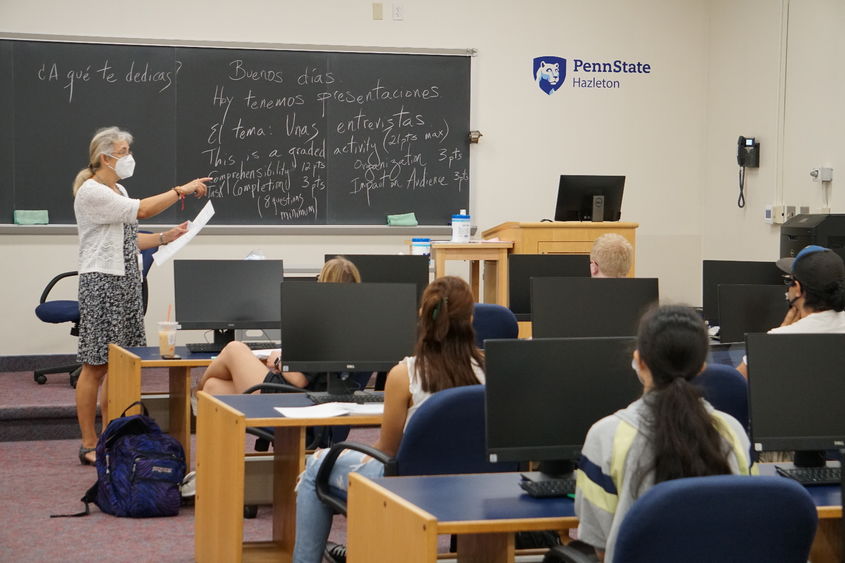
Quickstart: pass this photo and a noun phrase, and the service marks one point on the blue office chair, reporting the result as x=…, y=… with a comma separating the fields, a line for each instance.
x=726, y=389
x=724, y=518
x=493, y=321
x=445, y=436
x=58, y=311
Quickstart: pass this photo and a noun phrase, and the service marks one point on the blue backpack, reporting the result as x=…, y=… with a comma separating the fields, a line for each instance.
x=139, y=469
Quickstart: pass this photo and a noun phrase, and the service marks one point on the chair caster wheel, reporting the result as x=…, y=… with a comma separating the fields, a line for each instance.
x=40, y=378
x=250, y=511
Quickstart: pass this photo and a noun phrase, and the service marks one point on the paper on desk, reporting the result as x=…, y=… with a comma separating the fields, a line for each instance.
x=165, y=253
x=330, y=409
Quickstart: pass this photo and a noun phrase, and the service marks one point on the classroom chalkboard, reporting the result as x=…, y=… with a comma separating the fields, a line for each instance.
x=290, y=137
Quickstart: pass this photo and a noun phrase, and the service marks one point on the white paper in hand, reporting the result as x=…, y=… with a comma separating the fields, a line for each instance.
x=166, y=252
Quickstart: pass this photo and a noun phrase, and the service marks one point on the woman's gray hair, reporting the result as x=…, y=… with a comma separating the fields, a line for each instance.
x=102, y=143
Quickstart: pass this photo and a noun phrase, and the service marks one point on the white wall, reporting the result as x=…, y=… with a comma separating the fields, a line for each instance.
x=716, y=74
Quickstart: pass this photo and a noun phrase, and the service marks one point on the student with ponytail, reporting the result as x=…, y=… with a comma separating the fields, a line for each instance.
x=445, y=356
x=669, y=433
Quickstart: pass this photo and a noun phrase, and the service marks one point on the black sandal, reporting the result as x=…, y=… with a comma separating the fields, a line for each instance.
x=83, y=458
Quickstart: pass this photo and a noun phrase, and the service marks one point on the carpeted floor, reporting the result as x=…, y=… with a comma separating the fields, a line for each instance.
x=43, y=477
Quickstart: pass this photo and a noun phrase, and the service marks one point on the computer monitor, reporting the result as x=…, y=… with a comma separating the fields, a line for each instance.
x=715, y=272
x=749, y=308
x=576, y=307
x=391, y=268
x=795, y=391
x=543, y=395
x=589, y=198
x=337, y=327
x=523, y=267
x=225, y=295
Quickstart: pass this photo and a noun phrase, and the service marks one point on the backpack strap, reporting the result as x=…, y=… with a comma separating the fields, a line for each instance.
x=143, y=407
x=90, y=497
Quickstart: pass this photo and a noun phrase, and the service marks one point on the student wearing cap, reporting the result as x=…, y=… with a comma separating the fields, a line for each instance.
x=815, y=291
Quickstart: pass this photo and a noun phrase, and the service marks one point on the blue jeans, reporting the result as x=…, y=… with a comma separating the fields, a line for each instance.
x=313, y=518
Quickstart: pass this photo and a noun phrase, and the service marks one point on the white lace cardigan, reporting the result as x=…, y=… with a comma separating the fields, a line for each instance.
x=100, y=216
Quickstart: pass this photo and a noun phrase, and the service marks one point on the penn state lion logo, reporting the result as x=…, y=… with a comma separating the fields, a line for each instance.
x=549, y=73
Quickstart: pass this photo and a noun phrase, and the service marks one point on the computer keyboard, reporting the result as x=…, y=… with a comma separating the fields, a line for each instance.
x=812, y=475
x=214, y=348
x=550, y=487
x=359, y=398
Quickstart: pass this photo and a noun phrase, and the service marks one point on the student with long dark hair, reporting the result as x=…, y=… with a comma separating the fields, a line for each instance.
x=669, y=433
x=445, y=356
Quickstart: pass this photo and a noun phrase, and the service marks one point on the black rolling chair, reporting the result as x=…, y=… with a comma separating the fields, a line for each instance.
x=67, y=311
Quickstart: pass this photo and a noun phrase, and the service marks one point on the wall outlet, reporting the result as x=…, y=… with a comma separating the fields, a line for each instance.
x=788, y=212
x=804, y=210
x=378, y=11
x=776, y=214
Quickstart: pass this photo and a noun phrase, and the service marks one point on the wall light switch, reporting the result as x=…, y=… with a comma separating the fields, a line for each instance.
x=378, y=11
x=398, y=12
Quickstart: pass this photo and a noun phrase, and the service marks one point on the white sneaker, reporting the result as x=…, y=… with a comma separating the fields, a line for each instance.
x=188, y=488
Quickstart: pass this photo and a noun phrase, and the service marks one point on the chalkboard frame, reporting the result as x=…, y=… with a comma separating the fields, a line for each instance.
x=244, y=228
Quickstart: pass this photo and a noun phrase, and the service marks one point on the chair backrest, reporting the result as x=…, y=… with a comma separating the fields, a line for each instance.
x=446, y=436
x=726, y=389
x=725, y=518
x=493, y=321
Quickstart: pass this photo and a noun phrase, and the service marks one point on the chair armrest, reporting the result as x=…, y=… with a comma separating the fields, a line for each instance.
x=323, y=489
x=277, y=387
x=566, y=554
x=53, y=282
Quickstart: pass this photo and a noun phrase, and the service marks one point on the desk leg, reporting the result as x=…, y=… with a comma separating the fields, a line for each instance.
x=827, y=545
x=124, y=386
x=486, y=548
x=288, y=463
x=383, y=528
x=180, y=408
x=219, y=503
x=474, y=279
x=439, y=264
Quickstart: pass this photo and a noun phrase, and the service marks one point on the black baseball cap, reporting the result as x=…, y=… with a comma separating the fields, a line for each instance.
x=816, y=267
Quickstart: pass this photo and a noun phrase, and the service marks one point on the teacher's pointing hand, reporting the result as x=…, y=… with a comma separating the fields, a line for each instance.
x=196, y=187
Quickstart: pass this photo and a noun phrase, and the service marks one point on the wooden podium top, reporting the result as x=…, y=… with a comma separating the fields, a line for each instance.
x=604, y=226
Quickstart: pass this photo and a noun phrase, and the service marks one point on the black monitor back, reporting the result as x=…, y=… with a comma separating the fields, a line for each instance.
x=796, y=386
x=544, y=394
x=749, y=308
x=227, y=294
x=347, y=326
x=575, y=197
x=391, y=268
x=523, y=267
x=715, y=272
x=585, y=307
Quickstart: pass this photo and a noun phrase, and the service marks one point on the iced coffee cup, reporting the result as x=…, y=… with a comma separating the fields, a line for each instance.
x=167, y=338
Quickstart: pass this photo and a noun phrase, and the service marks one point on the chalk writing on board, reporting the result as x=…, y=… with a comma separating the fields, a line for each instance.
x=288, y=137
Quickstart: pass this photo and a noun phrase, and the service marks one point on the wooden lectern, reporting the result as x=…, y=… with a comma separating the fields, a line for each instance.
x=560, y=237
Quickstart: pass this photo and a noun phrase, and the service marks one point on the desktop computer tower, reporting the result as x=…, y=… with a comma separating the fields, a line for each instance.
x=823, y=230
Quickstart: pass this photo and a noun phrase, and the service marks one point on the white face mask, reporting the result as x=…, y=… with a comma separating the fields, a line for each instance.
x=124, y=167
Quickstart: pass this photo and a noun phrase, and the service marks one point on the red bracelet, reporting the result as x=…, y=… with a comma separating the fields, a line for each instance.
x=181, y=197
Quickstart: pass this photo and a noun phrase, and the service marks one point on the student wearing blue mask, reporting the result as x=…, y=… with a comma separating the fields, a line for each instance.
x=110, y=300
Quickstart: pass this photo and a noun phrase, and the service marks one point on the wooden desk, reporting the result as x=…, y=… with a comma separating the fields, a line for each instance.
x=493, y=254
x=221, y=428
x=399, y=518
x=124, y=385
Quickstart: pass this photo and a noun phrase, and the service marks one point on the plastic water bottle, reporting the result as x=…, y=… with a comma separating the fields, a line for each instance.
x=460, y=227
x=421, y=246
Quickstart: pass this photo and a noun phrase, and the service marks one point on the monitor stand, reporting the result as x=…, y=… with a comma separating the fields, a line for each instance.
x=340, y=383
x=557, y=468
x=223, y=336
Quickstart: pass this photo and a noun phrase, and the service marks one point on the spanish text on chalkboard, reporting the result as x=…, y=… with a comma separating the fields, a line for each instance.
x=290, y=137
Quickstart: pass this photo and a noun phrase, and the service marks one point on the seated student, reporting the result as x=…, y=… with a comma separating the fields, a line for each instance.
x=611, y=256
x=236, y=368
x=815, y=293
x=445, y=356
x=669, y=433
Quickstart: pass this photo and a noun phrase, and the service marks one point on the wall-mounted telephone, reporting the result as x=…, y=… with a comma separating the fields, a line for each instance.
x=748, y=152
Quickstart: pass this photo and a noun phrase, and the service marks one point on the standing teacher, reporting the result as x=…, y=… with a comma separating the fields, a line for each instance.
x=110, y=301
